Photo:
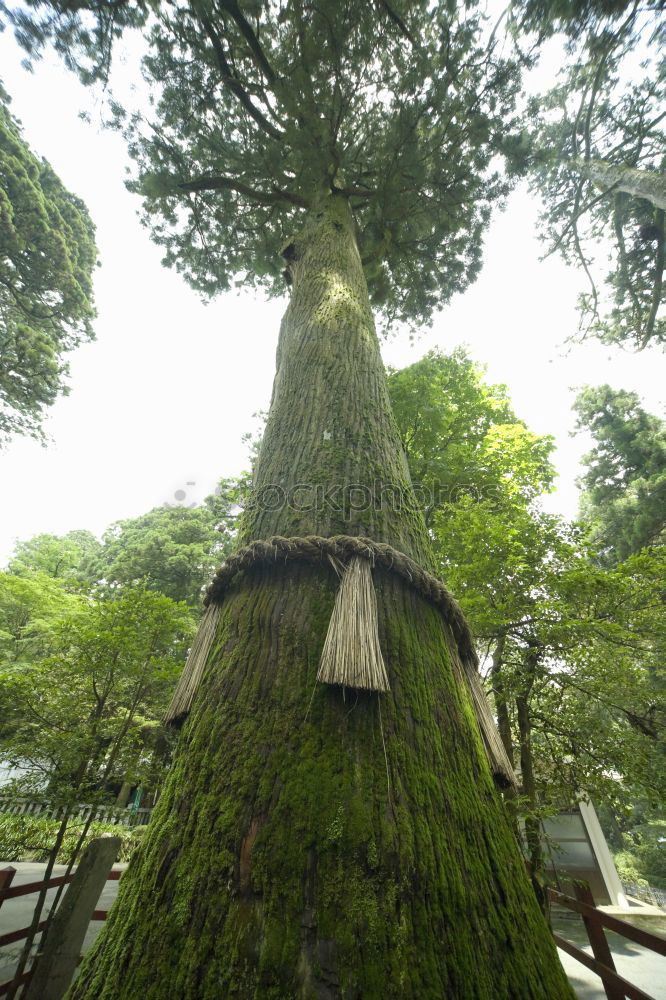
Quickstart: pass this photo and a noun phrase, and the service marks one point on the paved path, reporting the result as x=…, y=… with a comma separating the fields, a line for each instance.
x=637, y=964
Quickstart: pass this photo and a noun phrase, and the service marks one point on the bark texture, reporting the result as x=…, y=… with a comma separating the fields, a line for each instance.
x=640, y=183
x=312, y=843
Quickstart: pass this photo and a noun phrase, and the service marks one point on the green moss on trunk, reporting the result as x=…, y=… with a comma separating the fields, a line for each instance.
x=311, y=843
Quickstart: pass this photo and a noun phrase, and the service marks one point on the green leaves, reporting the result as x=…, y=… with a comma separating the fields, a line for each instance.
x=463, y=439
x=624, y=485
x=577, y=644
x=81, y=708
x=171, y=550
x=47, y=256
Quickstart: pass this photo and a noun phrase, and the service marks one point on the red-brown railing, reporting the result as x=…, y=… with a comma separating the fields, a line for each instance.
x=602, y=963
x=9, y=891
x=594, y=920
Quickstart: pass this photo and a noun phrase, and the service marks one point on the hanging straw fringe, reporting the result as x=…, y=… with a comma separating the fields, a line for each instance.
x=352, y=655
x=196, y=661
x=337, y=665
x=496, y=753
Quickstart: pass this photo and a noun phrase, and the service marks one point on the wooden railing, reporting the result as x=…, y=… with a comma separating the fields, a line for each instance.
x=595, y=920
x=9, y=891
x=113, y=815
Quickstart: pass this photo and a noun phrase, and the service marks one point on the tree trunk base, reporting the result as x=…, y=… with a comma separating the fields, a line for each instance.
x=313, y=842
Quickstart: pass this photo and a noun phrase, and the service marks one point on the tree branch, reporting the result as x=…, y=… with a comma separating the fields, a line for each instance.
x=646, y=184
x=397, y=20
x=658, y=279
x=234, y=86
x=273, y=197
x=232, y=8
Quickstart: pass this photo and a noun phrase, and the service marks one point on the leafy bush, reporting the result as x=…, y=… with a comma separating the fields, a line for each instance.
x=628, y=868
x=643, y=858
x=30, y=838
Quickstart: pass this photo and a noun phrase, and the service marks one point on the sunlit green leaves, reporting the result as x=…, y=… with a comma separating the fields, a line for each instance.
x=624, y=483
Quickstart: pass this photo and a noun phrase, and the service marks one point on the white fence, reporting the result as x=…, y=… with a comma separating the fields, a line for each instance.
x=113, y=815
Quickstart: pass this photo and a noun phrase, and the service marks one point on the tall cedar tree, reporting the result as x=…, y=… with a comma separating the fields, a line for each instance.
x=47, y=258
x=309, y=844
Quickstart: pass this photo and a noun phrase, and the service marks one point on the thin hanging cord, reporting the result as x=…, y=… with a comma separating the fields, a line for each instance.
x=381, y=729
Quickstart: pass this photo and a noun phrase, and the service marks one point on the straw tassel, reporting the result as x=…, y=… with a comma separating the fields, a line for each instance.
x=352, y=655
x=196, y=661
x=496, y=753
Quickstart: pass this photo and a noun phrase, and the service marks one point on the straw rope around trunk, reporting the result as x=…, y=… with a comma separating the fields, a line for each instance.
x=352, y=654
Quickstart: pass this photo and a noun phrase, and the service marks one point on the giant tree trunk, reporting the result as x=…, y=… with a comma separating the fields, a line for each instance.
x=532, y=823
x=311, y=842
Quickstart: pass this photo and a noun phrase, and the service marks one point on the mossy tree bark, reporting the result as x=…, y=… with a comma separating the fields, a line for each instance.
x=532, y=824
x=309, y=842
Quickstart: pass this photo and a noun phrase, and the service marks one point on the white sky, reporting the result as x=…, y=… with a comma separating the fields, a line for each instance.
x=164, y=395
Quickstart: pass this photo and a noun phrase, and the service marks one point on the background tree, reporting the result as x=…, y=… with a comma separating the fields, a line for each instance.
x=462, y=437
x=571, y=650
x=47, y=257
x=30, y=606
x=171, y=550
x=76, y=716
x=61, y=557
x=597, y=150
x=624, y=485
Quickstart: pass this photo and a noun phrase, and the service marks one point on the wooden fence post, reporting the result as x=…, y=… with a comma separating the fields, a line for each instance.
x=6, y=877
x=59, y=954
x=597, y=937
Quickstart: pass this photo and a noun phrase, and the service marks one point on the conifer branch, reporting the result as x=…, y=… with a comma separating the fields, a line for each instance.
x=232, y=8
x=397, y=20
x=660, y=263
x=234, y=86
x=274, y=197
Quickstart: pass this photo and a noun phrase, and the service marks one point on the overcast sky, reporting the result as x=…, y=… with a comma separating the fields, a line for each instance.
x=163, y=396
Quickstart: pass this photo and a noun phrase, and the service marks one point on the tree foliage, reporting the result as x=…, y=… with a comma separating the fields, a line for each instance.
x=624, y=484
x=254, y=113
x=80, y=709
x=598, y=156
x=47, y=257
x=463, y=438
x=170, y=550
x=572, y=650
x=61, y=557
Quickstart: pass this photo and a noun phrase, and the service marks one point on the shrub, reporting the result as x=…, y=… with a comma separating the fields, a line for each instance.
x=30, y=838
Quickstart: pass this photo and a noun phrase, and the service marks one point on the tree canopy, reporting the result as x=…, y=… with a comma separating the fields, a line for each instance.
x=253, y=113
x=60, y=557
x=78, y=709
x=624, y=483
x=572, y=649
x=171, y=550
x=47, y=258
x=597, y=153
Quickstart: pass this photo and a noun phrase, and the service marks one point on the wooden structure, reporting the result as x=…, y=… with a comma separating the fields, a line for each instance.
x=9, y=891
x=602, y=963
x=595, y=920
x=113, y=815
